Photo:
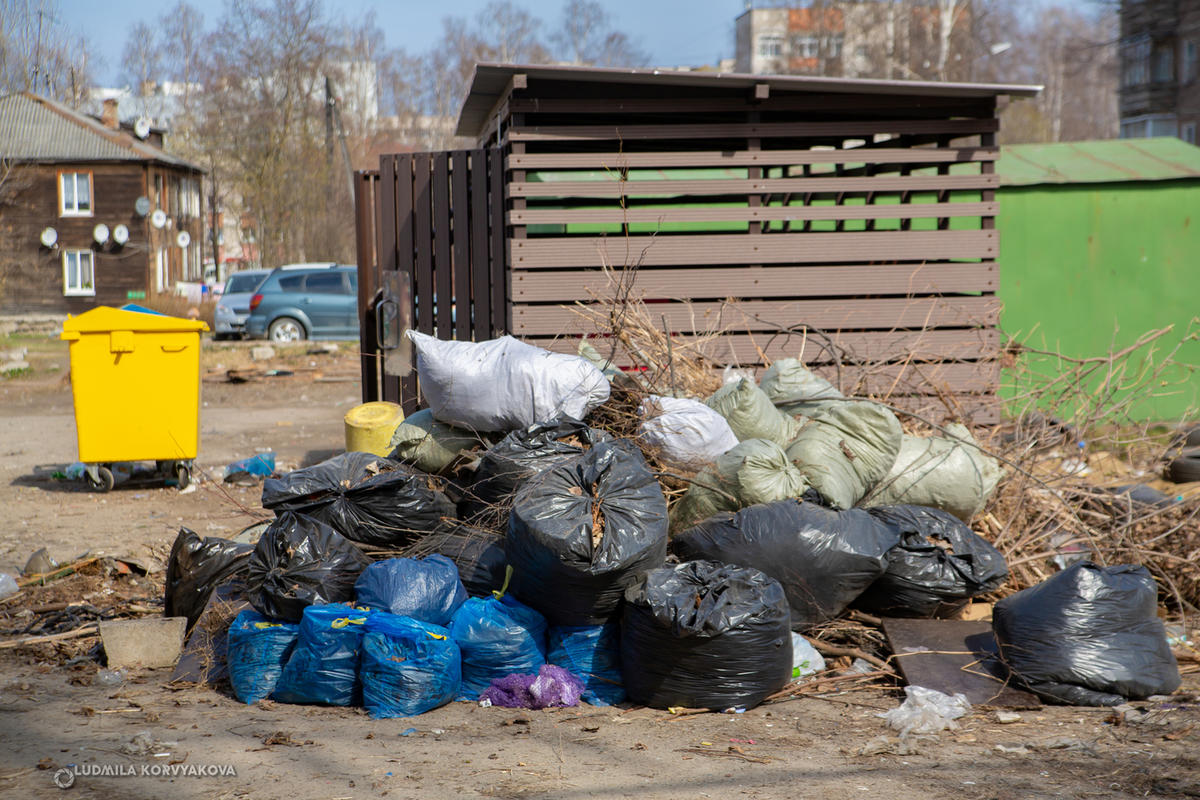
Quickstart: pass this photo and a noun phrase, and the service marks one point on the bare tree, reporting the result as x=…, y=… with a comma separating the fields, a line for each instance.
x=183, y=28
x=40, y=53
x=586, y=37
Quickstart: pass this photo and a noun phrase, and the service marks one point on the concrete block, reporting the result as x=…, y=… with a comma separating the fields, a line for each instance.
x=262, y=352
x=146, y=642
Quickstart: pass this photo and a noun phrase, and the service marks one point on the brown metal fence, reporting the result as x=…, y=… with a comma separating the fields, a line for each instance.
x=430, y=257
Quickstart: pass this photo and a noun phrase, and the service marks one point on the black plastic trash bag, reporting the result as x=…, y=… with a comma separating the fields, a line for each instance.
x=1089, y=636
x=822, y=557
x=939, y=565
x=478, y=554
x=364, y=497
x=427, y=589
x=508, y=464
x=705, y=635
x=580, y=534
x=299, y=562
x=197, y=566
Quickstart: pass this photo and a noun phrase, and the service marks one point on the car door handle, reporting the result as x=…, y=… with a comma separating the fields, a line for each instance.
x=306, y=300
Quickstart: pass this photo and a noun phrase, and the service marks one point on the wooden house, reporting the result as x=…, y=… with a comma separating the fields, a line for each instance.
x=92, y=211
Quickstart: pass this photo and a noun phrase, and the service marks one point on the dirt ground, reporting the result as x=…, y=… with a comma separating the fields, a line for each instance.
x=125, y=740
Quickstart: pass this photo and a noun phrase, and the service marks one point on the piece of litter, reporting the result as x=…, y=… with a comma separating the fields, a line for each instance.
x=409, y=732
x=1007, y=717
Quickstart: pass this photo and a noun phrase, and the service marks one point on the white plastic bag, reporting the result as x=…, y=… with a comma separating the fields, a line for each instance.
x=805, y=658
x=686, y=432
x=927, y=711
x=503, y=384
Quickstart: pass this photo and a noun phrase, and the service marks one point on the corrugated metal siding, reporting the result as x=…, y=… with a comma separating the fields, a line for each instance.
x=37, y=129
x=1111, y=161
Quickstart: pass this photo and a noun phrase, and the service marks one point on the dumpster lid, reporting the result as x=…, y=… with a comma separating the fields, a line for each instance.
x=102, y=319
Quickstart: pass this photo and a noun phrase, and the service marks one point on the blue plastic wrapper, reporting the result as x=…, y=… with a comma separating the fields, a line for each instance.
x=428, y=589
x=323, y=667
x=591, y=653
x=259, y=466
x=498, y=637
x=258, y=649
x=408, y=667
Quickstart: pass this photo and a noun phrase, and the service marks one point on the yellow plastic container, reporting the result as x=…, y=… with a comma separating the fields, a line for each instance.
x=369, y=427
x=136, y=381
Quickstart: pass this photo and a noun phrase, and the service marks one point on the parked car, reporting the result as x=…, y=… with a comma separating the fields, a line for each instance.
x=234, y=306
x=305, y=302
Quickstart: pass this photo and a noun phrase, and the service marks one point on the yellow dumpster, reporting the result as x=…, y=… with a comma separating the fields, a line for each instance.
x=136, y=382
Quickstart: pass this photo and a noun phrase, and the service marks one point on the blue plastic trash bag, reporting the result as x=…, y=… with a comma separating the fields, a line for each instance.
x=408, y=667
x=261, y=465
x=591, y=653
x=428, y=589
x=323, y=667
x=258, y=649
x=498, y=636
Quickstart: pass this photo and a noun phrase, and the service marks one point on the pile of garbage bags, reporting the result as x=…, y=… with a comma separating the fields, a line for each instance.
x=553, y=572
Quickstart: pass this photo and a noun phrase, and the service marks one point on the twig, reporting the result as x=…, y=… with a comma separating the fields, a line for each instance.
x=86, y=630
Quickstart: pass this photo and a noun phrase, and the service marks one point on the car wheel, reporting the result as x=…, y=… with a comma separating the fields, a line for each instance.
x=1185, y=468
x=286, y=329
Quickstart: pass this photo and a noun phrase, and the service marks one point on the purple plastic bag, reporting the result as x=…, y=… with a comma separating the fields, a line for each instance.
x=553, y=686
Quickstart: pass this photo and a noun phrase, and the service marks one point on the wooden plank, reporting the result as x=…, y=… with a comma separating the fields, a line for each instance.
x=735, y=130
x=460, y=205
x=858, y=103
x=733, y=186
x=781, y=248
x=501, y=319
x=845, y=346
x=744, y=158
x=423, y=284
x=481, y=293
x=366, y=188
x=405, y=388
x=955, y=656
x=444, y=296
x=666, y=214
x=718, y=283
x=771, y=316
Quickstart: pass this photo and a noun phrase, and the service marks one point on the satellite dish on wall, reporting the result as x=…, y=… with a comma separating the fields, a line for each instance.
x=49, y=237
x=141, y=127
x=158, y=218
x=142, y=206
x=100, y=233
x=183, y=239
x=120, y=234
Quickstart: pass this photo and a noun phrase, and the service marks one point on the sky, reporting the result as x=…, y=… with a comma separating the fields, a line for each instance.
x=674, y=32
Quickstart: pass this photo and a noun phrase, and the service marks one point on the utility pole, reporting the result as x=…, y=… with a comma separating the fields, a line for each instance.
x=37, y=58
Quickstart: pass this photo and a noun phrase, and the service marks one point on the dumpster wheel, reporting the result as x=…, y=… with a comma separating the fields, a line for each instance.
x=183, y=475
x=104, y=481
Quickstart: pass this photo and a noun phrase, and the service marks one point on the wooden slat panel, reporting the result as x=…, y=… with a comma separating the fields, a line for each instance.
x=731, y=186
x=783, y=248
x=540, y=286
x=840, y=128
x=366, y=203
x=481, y=296
x=501, y=319
x=746, y=158
x=860, y=103
x=423, y=285
x=955, y=344
x=460, y=205
x=665, y=214
x=441, y=245
x=765, y=315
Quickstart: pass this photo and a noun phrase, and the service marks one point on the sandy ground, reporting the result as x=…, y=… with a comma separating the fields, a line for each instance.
x=54, y=713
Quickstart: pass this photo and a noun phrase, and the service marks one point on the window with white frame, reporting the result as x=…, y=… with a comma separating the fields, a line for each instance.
x=807, y=46
x=78, y=277
x=770, y=46
x=75, y=194
x=1187, y=65
x=1135, y=57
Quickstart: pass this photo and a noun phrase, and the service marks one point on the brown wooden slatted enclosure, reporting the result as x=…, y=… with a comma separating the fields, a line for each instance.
x=845, y=222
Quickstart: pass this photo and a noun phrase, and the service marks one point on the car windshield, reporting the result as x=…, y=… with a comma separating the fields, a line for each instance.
x=242, y=283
